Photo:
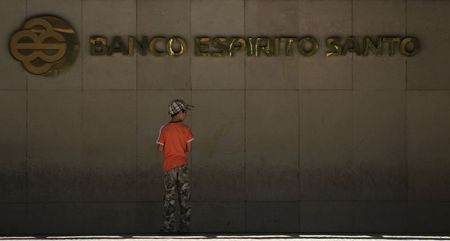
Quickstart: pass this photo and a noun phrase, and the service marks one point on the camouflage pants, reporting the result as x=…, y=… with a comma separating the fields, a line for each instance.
x=176, y=183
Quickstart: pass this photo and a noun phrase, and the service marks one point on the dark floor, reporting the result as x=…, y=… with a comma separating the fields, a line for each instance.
x=225, y=237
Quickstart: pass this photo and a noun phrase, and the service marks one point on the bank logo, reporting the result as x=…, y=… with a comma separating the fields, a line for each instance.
x=46, y=45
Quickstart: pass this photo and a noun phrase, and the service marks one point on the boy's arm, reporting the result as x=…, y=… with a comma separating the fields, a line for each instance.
x=188, y=147
x=159, y=147
x=189, y=139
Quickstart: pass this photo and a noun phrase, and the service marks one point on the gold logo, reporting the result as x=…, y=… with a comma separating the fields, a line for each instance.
x=46, y=45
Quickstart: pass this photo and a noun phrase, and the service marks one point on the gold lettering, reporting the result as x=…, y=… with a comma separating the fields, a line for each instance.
x=153, y=46
x=264, y=44
x=202, y=46
x=220, y=46
x=334, y=49
x=289, y=46
x=413, y=49
x=176, y=46
x=98, y=45
x=392, y=41
x=251, y=46
x=351, y=45
x=234, y=45
x=308, y=46
x=134, y=45
x=117, y=46
x=369, y=45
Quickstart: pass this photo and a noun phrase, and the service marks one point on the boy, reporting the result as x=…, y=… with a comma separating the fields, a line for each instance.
x=174, y=141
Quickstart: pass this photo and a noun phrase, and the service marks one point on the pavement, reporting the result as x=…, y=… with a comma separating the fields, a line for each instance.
x=230, y=237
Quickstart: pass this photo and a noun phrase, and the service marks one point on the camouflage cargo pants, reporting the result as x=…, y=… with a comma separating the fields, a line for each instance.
x=176, y=183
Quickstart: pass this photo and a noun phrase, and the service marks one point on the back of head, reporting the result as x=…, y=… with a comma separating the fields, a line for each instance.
x=177, y=106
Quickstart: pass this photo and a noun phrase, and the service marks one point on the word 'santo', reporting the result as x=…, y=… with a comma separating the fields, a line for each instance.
x=255, y=46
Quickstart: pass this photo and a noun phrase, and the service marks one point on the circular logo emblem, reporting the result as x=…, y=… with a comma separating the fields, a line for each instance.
x=46, y=45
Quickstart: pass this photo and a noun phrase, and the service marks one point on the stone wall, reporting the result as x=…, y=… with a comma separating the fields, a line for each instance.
x=283, y=144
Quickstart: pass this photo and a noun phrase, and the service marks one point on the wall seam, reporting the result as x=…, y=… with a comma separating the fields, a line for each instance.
x=27, y=153
x=353, y=203
x=406, y=122
x=137, y=131
x=352, y=31
x=245, y=127
x=299, y=109
x=406, y=33
x=299, y=112
x=82, y=92
x=82, y=49
x=82, y=95
x=192, y=156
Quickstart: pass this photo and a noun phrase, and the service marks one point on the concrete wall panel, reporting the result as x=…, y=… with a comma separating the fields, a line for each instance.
x=217, y=18
x=163, y=18
x=379, y=147
x=13, y=218
x=218, y=217
x=283, y=144
x=428, y=145
x=428, y=20
x=218, y=73
x=152, y=114
x=374, y=18
x=149, y=217
x=428, y=217
x=13, y=76
x=109, y=145
x=271, y=168
x=55, y=167
x=379, y=17
x=81, y=218
x=43, y=218
x=110, y=217
x=328, y=216
x=271, y=74
x=163, y=73
x=118, y=17
x=375, y=73
x=326, y=162
x=391, y=217
x=272, y=217
x=218, y=149
x=13, y=119
x=323, y=19
x=272, y=19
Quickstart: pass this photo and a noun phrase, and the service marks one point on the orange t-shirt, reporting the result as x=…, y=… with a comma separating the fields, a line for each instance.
x=174, y=136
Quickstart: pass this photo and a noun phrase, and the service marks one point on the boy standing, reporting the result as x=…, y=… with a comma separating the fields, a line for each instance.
x=174, y=141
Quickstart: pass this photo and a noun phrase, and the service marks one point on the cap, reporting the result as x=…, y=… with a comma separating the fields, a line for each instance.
x=178, y=105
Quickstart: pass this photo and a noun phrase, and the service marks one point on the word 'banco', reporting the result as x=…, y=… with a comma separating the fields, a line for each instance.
x=255, y=46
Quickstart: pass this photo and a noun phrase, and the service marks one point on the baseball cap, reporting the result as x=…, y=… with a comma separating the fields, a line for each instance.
x=178, y=105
